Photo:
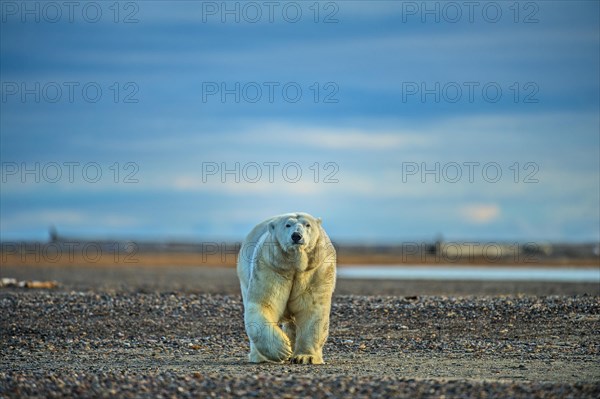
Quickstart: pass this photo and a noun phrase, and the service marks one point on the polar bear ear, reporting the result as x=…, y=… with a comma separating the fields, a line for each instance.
x=319, y=220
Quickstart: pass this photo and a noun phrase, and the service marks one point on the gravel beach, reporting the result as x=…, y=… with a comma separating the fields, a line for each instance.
x=91, y=339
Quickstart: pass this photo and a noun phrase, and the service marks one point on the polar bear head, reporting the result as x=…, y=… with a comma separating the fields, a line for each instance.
x=296, y=231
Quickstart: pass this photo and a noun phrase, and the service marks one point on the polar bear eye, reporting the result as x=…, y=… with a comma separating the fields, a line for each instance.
x=288, y=225
x=307, y=225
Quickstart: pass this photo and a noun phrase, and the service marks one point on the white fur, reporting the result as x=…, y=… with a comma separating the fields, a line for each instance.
x=287, y=289
x=255, y=253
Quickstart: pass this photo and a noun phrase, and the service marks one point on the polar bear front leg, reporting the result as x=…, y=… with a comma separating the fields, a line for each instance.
x=311, y=333
x=289, y=328
x=267, y=341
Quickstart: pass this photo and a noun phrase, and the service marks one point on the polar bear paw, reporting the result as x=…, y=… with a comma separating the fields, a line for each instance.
x=307, y=359
x=278, y=351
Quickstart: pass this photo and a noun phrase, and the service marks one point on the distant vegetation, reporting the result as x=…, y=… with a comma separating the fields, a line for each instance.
x=60, y=250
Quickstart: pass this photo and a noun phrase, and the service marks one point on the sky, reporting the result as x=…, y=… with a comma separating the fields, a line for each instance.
x=390, y=120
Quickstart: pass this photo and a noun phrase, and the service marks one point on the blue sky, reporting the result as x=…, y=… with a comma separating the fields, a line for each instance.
x=403, y=87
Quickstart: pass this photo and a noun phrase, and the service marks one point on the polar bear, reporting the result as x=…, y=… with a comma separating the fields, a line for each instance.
x=287, y=271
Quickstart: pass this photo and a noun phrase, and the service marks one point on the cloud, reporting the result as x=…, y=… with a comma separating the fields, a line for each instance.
x=245, y=187
x=357, y=140
x=341, y=138
x=480, y=213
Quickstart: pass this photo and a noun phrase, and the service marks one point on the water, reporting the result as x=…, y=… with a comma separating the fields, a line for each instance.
x=591, y=275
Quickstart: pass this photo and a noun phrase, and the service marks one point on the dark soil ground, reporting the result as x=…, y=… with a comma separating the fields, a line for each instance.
x=178, y=332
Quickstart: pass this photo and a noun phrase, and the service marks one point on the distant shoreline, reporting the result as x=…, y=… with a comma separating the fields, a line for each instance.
x=72, y=252
x=223, y=280
x=168, y=259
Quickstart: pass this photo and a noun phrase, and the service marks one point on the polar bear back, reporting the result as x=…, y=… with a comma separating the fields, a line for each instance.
x=249, y=251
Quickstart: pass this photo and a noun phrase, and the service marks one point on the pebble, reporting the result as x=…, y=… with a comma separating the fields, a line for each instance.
x=89, y=344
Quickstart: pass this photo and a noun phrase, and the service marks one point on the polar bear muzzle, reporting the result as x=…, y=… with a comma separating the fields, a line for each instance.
x=297, y=238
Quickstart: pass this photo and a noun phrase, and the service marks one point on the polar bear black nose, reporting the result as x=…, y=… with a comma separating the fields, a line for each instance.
x=296, y=236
